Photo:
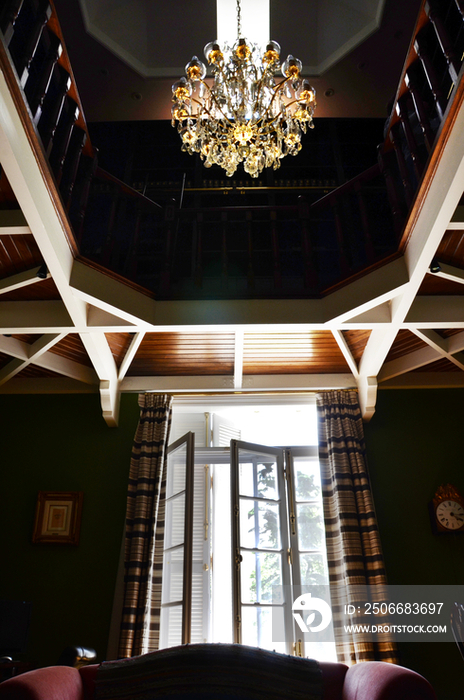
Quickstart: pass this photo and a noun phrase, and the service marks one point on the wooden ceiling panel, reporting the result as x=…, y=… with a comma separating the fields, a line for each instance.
x=443, y=365
x=37, y=372
x=356, y=341
x=45, y=290
x=451, y=248
x=72, y=348
x=119, y=344
x=184, y=354
x=18, y=253
x=432, y=284
x=292, y=353
x=405, y=342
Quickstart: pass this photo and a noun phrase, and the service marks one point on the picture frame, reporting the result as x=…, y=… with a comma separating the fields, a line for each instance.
x=58, y=517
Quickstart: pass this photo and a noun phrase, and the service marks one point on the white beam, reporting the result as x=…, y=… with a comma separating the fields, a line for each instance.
x=36, y=350
x=103, y=361
x=436, y=312
x=238, y=360
x=35, y=317
x=451, y=273
x=443, y=346
x=225, y=383
x=373, y=291
x=457, y=220
x=426, y=380
x=367, y=393
x=130, y=354
x=21, y=279
x=438, y=204
x=48, y=360
x=25, y=170
x=343, y=345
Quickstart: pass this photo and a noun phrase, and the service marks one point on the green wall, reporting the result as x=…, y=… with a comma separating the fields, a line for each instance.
x=415, y=443
x=61, y=443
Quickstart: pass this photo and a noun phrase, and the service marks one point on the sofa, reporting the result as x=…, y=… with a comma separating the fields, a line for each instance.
x=195, y=666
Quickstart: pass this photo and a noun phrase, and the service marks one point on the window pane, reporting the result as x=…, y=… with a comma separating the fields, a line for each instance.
x=310, y=526
x=175, y=513
x=176, y=470
x=171, y=626
x=259, y=572
x=307, y=479
x=313, y=570
x=258, y=478
x=259, y=525
x=257, y=627
x=173, y=575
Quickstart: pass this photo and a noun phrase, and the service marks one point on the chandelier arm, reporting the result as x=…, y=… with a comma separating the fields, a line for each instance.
x=213, y=97
x=277, y=89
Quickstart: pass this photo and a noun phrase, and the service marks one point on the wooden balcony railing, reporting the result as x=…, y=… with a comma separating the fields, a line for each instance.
x=276, y=249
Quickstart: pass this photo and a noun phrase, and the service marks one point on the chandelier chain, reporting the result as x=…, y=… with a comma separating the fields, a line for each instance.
x=239, y=20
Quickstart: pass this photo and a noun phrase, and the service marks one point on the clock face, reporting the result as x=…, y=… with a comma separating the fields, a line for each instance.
x=450, y=515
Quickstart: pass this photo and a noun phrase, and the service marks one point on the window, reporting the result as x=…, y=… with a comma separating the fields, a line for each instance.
x=222, y=575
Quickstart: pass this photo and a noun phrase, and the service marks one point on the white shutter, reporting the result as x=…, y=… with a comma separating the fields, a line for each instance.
x=224, y=430
x=188, y=422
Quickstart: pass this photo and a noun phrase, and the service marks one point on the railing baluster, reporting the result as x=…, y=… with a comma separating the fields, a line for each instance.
x=169, y=222
x=52, y=106
x=198, y=229
x=62, y=136
x=250, y=270
x=224, y=260
x=28, y=29
x=403, y=113
x=343, y=263
x=396, y=141
x=36, y=86
x=422, y=50
x=71, y=164
x=310, y=275
x=369, y=248
x=85, y=175
x=275, y=251
x=421, y=112
x=443, y=39
x=392, y=191
x=8, y=16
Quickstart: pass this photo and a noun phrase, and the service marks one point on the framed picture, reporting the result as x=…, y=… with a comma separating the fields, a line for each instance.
x=58, y=517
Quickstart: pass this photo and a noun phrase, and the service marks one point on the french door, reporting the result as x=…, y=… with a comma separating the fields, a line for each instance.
x=259, y=508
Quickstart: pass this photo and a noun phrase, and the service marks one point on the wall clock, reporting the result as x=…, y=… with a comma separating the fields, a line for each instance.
x=447, y=510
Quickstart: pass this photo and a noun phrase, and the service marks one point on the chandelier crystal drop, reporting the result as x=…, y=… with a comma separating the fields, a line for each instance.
x=245, y=116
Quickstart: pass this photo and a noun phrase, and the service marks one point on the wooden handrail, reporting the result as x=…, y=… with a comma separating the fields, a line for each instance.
x=123, y=187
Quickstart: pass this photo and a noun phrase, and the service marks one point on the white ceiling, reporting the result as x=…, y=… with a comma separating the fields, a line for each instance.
x=156, y=38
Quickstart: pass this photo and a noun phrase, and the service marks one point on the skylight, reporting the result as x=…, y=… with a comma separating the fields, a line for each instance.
x=255, y=21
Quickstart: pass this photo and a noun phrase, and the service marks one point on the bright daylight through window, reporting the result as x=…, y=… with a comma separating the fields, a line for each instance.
x=235, y=578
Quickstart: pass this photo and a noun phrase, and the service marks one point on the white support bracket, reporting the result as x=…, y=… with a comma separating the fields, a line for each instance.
x=367, y=392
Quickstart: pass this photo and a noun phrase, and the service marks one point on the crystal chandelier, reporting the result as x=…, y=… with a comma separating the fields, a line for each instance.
x=245, y=116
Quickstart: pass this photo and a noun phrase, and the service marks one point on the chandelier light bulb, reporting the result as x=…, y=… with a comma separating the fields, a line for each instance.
x=245, y=115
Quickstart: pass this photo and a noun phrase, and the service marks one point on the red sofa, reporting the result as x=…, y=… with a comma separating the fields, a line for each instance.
x=371, y=680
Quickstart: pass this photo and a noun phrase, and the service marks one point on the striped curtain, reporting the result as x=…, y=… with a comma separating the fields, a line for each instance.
x=354, y=552
x=143, y=558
